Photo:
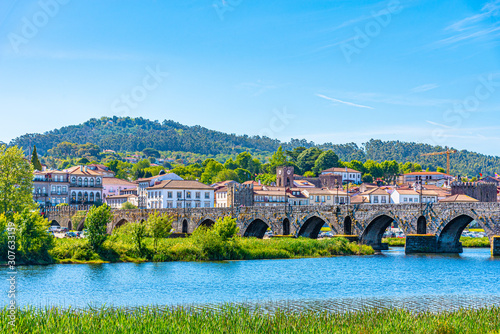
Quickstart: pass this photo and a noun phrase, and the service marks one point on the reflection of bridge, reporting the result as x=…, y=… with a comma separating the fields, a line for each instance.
x=430, y=228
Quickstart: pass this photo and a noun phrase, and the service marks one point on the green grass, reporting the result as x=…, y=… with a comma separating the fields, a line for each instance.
x=204, y=248
x=466, y=242
x=239, y=319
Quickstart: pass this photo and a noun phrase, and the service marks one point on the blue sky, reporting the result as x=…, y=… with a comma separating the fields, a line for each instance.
x=327, y=71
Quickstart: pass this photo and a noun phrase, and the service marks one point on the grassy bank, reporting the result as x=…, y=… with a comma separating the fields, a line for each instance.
x=466, y=242
x=205, y=248
x=238, y=319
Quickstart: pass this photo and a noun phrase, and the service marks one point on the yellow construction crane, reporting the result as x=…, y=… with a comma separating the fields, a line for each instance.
x=447, y=152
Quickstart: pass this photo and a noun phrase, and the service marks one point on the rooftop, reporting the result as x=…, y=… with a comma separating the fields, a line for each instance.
x=181, y=184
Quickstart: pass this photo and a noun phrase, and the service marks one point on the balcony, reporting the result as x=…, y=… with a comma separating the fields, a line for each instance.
x=65, y=193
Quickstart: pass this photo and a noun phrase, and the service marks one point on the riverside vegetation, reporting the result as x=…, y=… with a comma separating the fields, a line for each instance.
x=134, y=242
x=239, y=319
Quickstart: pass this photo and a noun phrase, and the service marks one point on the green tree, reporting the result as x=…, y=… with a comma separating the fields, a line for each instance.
x=373, y=168
x=128, y=206
x=33, y=241
x=307, y=159
x=356, y=165
x=159, y=227
x=225, y=175
x=16, y=181
x=151, y=152
x=34, y=160
x=138, y=233
x=367, y=178
x=294, y=154
x=211, y=170
x=277, y=159
x=230, y=164
x=96, y=223
x=327, y=159
x=309, y=174
x=266, y=179
x=226, y=228
x=441, y=170
x=243, y=175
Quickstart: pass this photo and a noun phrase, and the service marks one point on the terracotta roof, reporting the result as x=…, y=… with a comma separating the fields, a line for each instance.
x=77, y=170
x=318, y=191
x=407, y=192
x=427, y=173
x=340, y=169
x=113, y=180
x=460, y=198
x=181, y=184
x=121, y=196
x=375, y=191
x=358, y=200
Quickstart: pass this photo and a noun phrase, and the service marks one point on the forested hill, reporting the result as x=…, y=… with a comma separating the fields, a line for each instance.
x=135, y=134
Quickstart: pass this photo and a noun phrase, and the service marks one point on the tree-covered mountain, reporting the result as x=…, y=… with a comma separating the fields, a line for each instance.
x=136, y=134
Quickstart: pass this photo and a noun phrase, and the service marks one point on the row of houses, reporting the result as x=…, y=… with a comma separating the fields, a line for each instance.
x=93, y=184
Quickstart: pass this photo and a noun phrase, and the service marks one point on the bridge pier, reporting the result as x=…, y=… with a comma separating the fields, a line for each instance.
x=495, y=245
x=419, y=243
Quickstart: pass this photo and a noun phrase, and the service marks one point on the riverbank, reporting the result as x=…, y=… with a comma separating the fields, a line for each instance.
x=466, y=242
x=240, y=319
x=121, y=249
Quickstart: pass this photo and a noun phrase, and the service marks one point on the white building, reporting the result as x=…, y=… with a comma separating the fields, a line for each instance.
x=405, y=196
x=348, y=174
x=143, y=184
x=180, y=194
x=375, y=196
x=326, y=197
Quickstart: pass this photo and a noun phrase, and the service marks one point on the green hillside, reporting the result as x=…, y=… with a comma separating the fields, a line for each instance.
x=129, y=135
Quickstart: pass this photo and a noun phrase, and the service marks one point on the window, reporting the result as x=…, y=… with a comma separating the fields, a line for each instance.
x=73, y=196
x=188, y=194
x=198, y=195
x=207, y=204
x=169, y=194
x=384, y=200
x=188, y=204
x=328, y=197
x=86, y=182
x=179, y=194
x=98, y=181
x=406, y=199
x=198, y=204
x=91, y=182
x=73, y=179
x=54, y=189
x=416, y=200
x=64, y=189
x=97, y=197
x=170, y=204
x=410, y=200
x=375, y=199
x=91, y=197
x=322, y=198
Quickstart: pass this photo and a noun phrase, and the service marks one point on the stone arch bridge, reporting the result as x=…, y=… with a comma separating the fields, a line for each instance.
x=430, y=228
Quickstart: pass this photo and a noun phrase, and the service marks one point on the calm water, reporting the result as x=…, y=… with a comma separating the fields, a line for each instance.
x=434, y=282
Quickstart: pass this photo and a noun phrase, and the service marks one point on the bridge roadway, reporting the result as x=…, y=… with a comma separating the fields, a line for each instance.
x=430, y=228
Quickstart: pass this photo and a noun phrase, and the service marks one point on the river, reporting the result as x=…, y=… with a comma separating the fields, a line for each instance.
x=420, y=282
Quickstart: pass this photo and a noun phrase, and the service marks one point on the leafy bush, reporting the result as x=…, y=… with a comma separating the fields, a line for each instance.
x=96, y=224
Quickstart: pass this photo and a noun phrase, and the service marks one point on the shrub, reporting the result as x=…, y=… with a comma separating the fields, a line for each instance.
x=96, y=224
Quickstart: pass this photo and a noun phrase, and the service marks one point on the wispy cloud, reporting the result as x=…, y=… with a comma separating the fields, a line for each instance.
x=475, y=27
x=424, y=88
x=343, y=102
x=438, y=124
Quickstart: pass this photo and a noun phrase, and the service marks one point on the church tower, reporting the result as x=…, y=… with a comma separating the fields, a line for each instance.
x=284, y=176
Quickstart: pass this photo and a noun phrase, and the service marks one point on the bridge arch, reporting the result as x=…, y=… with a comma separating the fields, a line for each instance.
x=257, y=228
x=372, y=235
x=348, y=225
x=120, y=223
x=448, y=240
x=286, y=227
x=208, y=222
x=185, y=226
x=80, y=225
x=422, y=225
x=311, y=227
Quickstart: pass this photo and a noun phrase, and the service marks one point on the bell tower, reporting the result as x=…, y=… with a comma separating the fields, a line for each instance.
x=284, y=176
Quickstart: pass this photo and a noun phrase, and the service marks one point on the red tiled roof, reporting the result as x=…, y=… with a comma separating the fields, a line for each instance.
x=181, y=184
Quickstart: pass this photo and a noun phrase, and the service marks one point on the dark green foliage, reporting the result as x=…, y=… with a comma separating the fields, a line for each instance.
x=307, y=159
x=327, y=159
x=96, y=223
x=34, y=160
